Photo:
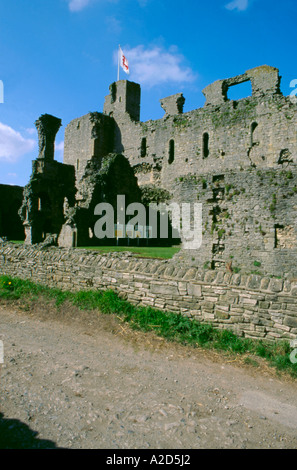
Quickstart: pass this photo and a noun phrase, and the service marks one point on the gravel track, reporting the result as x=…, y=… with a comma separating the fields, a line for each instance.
x=83, y=380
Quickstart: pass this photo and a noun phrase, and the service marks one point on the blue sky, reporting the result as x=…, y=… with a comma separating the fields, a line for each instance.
x=58, y=57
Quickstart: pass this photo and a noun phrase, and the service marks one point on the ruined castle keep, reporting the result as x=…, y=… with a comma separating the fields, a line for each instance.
x=237, y=158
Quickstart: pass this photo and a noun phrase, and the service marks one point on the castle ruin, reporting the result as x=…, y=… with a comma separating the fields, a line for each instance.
x=237, y=158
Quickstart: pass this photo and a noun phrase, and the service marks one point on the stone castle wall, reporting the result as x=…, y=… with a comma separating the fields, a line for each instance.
x=249, y=220
x=257, y=131
x=212, y=139
x=223, y=135
x=237, y=158
x=250, y=305
x=78, y=144
x=87, y=137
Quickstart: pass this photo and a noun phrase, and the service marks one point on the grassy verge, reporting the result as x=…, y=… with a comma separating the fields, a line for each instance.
x=173, y=327
x=163, y=252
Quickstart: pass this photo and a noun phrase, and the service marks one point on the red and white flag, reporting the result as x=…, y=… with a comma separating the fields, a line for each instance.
x=123, y=61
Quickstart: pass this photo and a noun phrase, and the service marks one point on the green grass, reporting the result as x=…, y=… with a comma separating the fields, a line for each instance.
x=172, y=326
x=164, y=252
x=161, y=252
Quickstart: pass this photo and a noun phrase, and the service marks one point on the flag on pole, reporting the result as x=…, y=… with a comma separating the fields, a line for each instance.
x=123, y=61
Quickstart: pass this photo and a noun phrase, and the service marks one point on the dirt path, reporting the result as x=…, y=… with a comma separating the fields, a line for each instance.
x=87, y=381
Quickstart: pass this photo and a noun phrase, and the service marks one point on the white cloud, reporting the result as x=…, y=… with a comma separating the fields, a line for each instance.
x=113, y=24
x=77, y=5
x=31, y=130
x=59, y=147
x=239, y=5
x=154, y=66
x=12, y=144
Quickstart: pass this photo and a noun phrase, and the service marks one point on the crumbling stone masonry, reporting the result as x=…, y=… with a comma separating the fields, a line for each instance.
x=238, y=158
x=102, y=181
x=50, y=184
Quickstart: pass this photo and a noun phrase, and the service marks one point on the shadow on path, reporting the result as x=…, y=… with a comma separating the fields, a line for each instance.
x=16, y=435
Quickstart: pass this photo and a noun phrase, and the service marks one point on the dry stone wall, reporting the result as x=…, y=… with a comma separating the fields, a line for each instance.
x=252, y=306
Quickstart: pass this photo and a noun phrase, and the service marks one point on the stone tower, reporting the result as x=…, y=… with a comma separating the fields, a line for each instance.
x=47, y=127
x=124, y=98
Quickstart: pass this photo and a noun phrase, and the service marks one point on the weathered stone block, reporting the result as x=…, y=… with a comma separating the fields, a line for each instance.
x=207, y=315
x=164, y=289
x=236, y=279
x=194, y=289
x=248, y=301
x=291, y=308
x=207, y=306
x=210, y=276
x=287, y=286
x=294, y=290
x=264, y=305
x=221, y=314
x=276, y=285
x=254, y=282
x=290, y=321
x=169, y=271
x=190, y=274
x=275, y=306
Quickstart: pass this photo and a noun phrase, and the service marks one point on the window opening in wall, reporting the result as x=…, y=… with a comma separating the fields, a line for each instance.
x=74, y=239
x=205, y=144
x=277, y=228
x=239, y=91
x=113, y=91
x=254, y=126
x=171, y=151
x=285, y=156
x=216, y=178
x=143, y=148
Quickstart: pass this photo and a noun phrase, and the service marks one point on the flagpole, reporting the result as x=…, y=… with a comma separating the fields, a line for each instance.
x=118, y=64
